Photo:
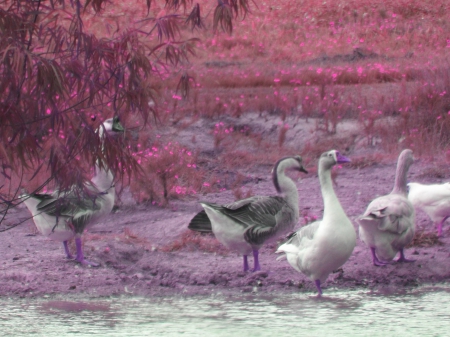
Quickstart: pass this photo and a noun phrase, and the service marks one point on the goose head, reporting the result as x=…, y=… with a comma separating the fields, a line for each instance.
x=111, y=126
x=294, y=163
x=406, y=158
x=330, y=158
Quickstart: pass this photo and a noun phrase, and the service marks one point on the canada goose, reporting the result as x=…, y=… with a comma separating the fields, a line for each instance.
x=388, y=224
x=62, y=216
x=323, y=246
x=245, y=225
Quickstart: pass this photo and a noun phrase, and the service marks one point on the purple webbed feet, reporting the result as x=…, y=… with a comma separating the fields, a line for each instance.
x=66, y=249
x=319, y=288
x=245, y=263
x=439, y=226
x=376, y=262
x=402, y=257
x=256, y=266
x=80, y=256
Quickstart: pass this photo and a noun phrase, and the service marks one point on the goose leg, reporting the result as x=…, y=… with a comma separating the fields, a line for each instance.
x=439, y=226
x=319, y=289
x=245, y=263
x=402, y=257
x=80, y=255
x=66, y=249
x=375, y=260
x=256, y=261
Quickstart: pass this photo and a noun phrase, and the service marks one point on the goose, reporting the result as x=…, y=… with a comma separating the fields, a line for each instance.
x=434, y=200
x=388, y=224
x=245, y=225
x=324, y=245
x=62, y=216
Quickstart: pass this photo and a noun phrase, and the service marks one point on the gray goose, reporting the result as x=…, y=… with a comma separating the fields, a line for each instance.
x=245, y=225
x=62, y=216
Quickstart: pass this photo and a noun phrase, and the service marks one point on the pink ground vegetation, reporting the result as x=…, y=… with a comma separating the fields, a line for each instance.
x=169, y=170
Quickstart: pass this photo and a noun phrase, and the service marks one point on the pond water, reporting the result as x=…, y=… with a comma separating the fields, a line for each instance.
x=421, y=312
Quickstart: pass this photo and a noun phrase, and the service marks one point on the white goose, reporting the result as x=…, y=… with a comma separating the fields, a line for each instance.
x=325, y=245
x=388, y=224
x=62, y=216
x=246, y=224
x=434, y=200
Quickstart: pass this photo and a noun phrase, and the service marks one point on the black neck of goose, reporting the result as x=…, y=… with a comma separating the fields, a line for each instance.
x=276, y=183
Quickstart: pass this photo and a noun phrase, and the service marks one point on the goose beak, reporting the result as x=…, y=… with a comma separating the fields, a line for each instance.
x=302, y=169
x=117, y=127
x=342, y=159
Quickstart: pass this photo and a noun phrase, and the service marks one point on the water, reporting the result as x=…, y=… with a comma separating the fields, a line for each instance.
x=419, y=312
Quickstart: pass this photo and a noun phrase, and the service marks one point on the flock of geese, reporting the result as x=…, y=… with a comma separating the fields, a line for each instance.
x=317, y=249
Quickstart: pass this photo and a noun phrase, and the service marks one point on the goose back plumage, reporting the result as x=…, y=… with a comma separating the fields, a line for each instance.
x=433, y=199
x=60, y=216
x=200, y=223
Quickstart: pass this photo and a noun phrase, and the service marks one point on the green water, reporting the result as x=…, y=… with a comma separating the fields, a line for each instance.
x=417, y=312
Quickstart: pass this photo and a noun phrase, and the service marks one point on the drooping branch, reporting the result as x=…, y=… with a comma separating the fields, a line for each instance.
x=55, y=74
x=195, y=18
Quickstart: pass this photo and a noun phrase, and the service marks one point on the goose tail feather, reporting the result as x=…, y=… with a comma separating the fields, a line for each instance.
x=200, y=223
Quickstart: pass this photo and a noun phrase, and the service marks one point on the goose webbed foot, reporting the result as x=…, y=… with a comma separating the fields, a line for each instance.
x=377, y=262
x=80, y=255
x=85, y=262
x=402, y=257
x=319, y=288
x=256, y=266
x=439, y=226
x=67, y=251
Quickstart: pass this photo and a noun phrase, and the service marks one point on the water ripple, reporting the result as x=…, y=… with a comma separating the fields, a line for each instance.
x=423, y=312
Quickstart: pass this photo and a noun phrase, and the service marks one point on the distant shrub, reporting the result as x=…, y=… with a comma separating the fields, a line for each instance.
x=167, y=171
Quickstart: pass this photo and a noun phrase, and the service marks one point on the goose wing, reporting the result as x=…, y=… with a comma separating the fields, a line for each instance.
x=201, y=223
x=69, y=205
x=307, y=232
x=391, y=213
x=264, y=218
x=260, y=215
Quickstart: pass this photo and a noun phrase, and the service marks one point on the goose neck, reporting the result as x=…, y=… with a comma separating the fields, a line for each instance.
x=400, y=186
x=330, y=200
x=286, y=187
x=103, y=178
